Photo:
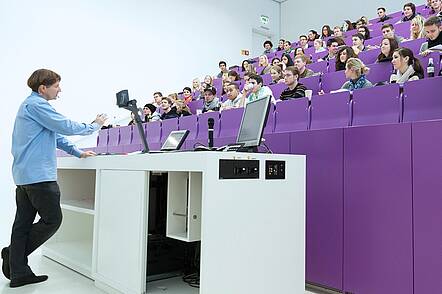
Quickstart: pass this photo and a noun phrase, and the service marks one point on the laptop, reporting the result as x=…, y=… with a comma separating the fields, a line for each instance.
x=173, y=142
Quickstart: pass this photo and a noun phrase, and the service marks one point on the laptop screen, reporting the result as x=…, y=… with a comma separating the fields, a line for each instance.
x=175, y=140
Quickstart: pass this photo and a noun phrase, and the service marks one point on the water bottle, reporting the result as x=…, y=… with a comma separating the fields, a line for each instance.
x=430, y=68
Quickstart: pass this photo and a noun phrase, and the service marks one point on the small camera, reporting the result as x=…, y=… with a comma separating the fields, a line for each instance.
x=123, y=98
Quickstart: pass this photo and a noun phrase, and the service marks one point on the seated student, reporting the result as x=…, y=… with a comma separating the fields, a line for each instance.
x=187, y=95
x=358, y=43
x=337, y=32
x=288, y=47
x=258, y=90
x=319, y=46
x=347, y=26
x=364, y=31
x=268, y=47
x=436, y=7
x=326, y=32
x=208, y=81
x=409, y=12
x=150, y=113
x=168, y=110
x=276, y=61
x=355, y=71
x=388, y=32
x=286, y=60
x=417, y=29
x=211, y=102
x=132, y=121
x=299, y=51
x=433, y=31
x=280, y=45
x=234, y=97
x=344, y=54
x=264, y=61
x=408, y=67
x=157, y=96
x=361, y=22
x=312, y=36
x=303, y=41
x=332, y=47
x=233, y=76
x=223, y=67
x=182, y=109
x=276, y=73
x=294, y=88
x=300, y=63
x=388, y=45
x=196, y=85
x=382, y=15
x=246, y=66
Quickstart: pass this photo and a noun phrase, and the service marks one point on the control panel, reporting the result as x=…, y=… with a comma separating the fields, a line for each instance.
x=275, y=170
x=238, y=169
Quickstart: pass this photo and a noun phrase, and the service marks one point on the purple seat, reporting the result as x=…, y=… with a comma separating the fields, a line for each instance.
x=189, y=123
x=312, y=83
x=277, y=89
x=196, y=104
x=168, y=126
x=333, y=81
x=422, y=100
x=436, y=61
x=113, y=145
x=292, y=115
x=369, y=56
x=414, y=45
x=259, y=69
x=377, y=105
x=402, y=29
x=376, y=41
x=395, y=15
x=315, y=56
x=309, y=51
x=330, y=111
x=229, y=125
x=266, y=79
x=153, y=135
x=136, y=144
x=202, y=136
x=320, y=66
x=379, y=72
x=102, y=140
x=331, y=65
x=218, y=85
x=125, y=137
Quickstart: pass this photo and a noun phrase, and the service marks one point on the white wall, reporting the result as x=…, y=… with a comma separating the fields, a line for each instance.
x=298, y=17
x=100, y=47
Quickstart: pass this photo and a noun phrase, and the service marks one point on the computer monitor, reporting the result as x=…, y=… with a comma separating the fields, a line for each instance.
x=253, y=122
x=175, y=140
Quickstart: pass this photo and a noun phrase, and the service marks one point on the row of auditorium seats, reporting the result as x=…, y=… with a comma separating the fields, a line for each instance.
x=415, y=101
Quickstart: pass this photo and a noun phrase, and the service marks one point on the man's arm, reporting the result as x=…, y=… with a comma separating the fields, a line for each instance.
x=67, y=146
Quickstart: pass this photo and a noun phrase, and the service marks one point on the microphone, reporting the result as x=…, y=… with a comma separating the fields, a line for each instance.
x=210, y=123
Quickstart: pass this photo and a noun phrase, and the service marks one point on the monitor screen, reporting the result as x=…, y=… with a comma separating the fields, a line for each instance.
x=175, y=140
x=253, y=122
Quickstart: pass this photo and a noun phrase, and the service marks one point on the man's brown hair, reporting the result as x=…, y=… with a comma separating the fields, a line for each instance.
x=434, y=20
x=44, y=77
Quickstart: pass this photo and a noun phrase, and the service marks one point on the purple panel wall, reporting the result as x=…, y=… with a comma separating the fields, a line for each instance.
x=167, y=126
x=324, y=204
x=103, y=136
x=330, y=111
x=422, y=100
x=427, y=206
x=378, y=210
x=153, y=135
x=113, y=145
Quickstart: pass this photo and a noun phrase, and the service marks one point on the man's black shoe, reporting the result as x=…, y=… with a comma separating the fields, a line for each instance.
x=31, y=279
x=5, y=265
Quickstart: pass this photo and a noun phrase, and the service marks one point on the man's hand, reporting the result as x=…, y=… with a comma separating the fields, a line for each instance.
x=87, y=154
x=426, y=52
x=101, y=118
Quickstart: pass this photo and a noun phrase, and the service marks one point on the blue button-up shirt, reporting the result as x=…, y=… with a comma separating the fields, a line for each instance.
x=38, y=130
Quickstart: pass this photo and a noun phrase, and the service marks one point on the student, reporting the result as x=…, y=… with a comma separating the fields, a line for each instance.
x=347, y=26
x=150, y=113
x=223, y=67
x=208, y=81
x=211, y=102
x=364, y=31
x=337, y=32
x=258, y=90
x=196, y=85
x=326, y=32
x=157, y=96
x=294, y=88
x=358, y=43
x=409, y=12
x=233, y=76
x=303, y=42
x=234, y=97
x=436, y=6
x=286, y=60
x=408, y=67
x=264, y=62
x=38, y=130
x=280, y=45
x=332, y=47
x=276, y=73
x=300, y=63
x=182, y=109
x=343, y=55
x=299, y=51
x=388, y=32
x=417, y=29
x=319, y=46
x=288, y=47
x=433, y=31
x=276, y=61
x=168, y=110
x=268, y=47
x=382, y=15
x=355, y=71
x=312, y=36
x=388, y=45
x=187, y=95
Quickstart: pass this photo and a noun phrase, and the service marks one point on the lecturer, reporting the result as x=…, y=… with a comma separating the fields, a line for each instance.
x=39, y=129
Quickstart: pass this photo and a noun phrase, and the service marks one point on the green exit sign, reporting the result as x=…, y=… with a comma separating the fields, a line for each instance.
x=264, y=19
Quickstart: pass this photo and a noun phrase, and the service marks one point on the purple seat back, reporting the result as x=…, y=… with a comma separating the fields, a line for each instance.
x=422, y=100
x=189, y=123
x=229, y=122
x=125, y=135
x=369, y=56
x=266, y=79
x=436, y=61
x=277, y=89
x=330, y=111
x=113, y=145
x=259, y=69
x=379, y=72
x=402, y=29
x=153, y=132
x=291, y=115
x=312, y=83
x=218, y=85
x=376, y=41
x=333, y=81
x=413, y=45
x=203, y=126
x=102, y=141
x=168, y=126
x=136, y=143
x=331, y=65
x=320, y=66
x=315, y=56
x=377, y=105
x=309, y=50
x=270, y=125
x=196, y=104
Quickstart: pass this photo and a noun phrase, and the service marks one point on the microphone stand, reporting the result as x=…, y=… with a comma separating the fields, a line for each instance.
x=132, y=106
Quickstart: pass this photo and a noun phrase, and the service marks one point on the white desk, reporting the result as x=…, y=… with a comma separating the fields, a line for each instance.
x=252, y=231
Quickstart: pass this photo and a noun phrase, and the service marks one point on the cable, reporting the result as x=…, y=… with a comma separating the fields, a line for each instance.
x=267, y=147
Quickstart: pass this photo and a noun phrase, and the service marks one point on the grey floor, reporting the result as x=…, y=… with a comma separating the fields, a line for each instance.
x=63, y=281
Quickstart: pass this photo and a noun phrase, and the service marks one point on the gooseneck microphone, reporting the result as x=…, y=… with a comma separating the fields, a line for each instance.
x=210, y=123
